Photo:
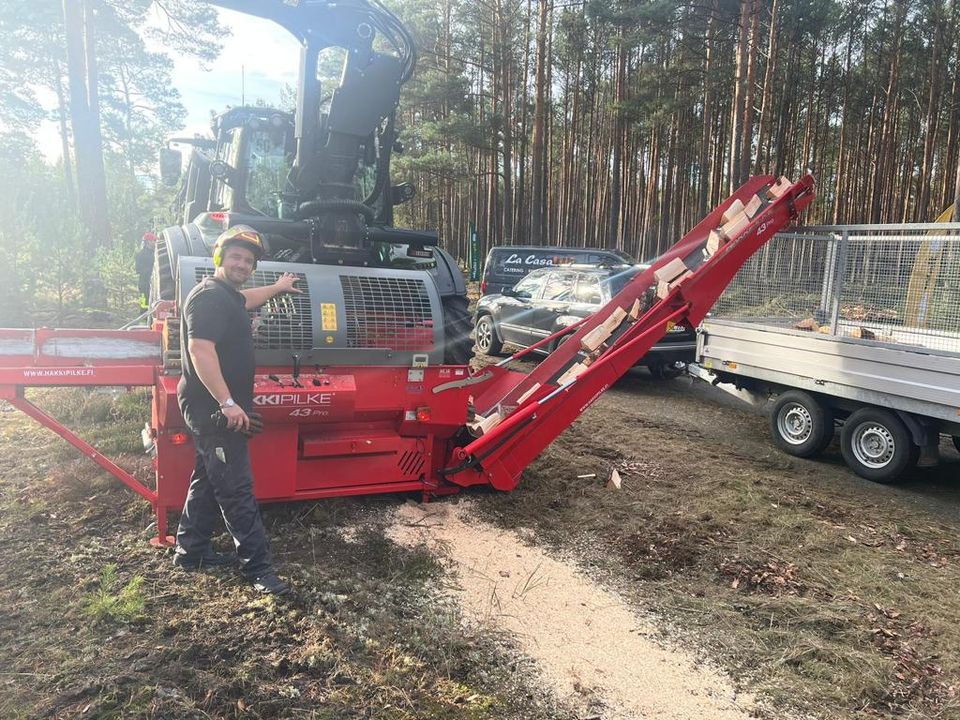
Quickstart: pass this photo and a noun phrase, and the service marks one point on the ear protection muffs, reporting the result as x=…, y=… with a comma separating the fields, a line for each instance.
x=243, y=234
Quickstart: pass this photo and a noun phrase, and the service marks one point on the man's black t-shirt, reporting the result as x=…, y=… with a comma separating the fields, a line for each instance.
x=215, y=311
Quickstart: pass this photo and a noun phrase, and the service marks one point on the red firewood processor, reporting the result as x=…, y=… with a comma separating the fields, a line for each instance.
x=363, y=382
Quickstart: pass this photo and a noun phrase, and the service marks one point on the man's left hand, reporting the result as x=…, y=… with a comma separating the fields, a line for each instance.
x=286, y=284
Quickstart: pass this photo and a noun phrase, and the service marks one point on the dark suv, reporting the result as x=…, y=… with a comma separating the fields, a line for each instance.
x=549, y=299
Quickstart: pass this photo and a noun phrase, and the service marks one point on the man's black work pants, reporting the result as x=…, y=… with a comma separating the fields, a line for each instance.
x=222, y=483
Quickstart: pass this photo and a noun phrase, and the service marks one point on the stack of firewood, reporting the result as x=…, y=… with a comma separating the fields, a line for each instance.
x=738, y=216
x=858, y=331
x=592, y=346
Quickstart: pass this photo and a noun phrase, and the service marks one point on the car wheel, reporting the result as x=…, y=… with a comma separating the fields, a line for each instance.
x=877, y=445
x=561, y=341
x=800, y=424
x=487, y=341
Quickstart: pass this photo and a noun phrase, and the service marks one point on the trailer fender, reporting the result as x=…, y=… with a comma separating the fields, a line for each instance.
x=922, y=432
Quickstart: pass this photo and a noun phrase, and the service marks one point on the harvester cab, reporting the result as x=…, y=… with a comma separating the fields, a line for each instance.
x=316, y=183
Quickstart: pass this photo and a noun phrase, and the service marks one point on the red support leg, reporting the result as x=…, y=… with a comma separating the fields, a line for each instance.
x=84, y=447
x=162, y=540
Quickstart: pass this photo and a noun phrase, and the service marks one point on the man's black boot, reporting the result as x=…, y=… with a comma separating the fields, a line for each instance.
x=270, y=584
x=209, y=560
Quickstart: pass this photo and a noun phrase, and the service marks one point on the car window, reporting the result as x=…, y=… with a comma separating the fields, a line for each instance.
x=530, y=285
x=559, y=286
x=588, y=290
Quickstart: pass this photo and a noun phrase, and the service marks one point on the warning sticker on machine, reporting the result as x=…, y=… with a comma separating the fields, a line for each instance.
x=328, y=317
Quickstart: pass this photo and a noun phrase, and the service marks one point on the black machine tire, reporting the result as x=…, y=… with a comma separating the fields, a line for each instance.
x=801, y=425
x=956, y=442
x=457, y=325
x=877, y=445
x=162, y=285
x=487, y=341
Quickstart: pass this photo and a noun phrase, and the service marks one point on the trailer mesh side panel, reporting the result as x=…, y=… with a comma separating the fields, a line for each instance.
x=387, y=312
x=881, y=283
x=284, y=322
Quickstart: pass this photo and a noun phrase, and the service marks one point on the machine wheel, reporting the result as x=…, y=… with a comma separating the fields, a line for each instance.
x=457, y=345
x=956, y=442
x=487, y=341
x=162, y=286
x=877, y=445
x=800, y=424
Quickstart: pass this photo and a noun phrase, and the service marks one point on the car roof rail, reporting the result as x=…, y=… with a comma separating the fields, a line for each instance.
x=603, y=265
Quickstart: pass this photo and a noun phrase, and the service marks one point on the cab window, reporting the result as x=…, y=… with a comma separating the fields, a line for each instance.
x=222, y=194
x=268, y=164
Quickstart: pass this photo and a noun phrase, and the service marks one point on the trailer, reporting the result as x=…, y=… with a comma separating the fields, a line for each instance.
x=856, y=326
x=351, y=383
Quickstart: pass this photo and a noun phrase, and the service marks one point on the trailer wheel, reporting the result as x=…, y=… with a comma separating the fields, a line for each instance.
x=877, y=445
x=487, y=341
x=800, y=424
x=457, y=346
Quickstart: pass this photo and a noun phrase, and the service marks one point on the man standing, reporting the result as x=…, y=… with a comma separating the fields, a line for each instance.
x=218, y=370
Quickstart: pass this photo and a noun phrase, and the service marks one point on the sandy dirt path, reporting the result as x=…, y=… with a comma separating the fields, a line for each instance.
x=594, y=651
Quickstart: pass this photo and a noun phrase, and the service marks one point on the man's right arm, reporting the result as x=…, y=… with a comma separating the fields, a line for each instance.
x=203, y=353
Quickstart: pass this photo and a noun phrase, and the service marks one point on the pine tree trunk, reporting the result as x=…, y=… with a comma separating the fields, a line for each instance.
x=932, y=117
x=616, y=170
x=85, y=119
x=506, y=120
x=739, y=94
x=766, y=102
x=842, y=162
x=703, y=190
x=881, y=182
x=62, y=113
x=538, y=179
x=746, y=136
x=956, y=195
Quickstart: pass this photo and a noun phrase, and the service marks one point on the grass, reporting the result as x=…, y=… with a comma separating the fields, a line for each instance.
x=114, y=602
x=369, y=634
x=820, y=592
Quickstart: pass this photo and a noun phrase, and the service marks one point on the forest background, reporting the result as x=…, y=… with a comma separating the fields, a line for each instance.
x=614, y=124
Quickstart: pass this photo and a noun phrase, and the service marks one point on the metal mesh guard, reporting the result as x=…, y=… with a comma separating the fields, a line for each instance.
x=387, y=312
x=884, y=283
x=284, y=322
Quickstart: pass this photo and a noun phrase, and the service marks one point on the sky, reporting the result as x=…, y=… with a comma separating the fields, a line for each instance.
x=267, y=54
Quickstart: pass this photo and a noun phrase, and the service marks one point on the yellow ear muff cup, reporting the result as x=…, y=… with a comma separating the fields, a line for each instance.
x=217, y=256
